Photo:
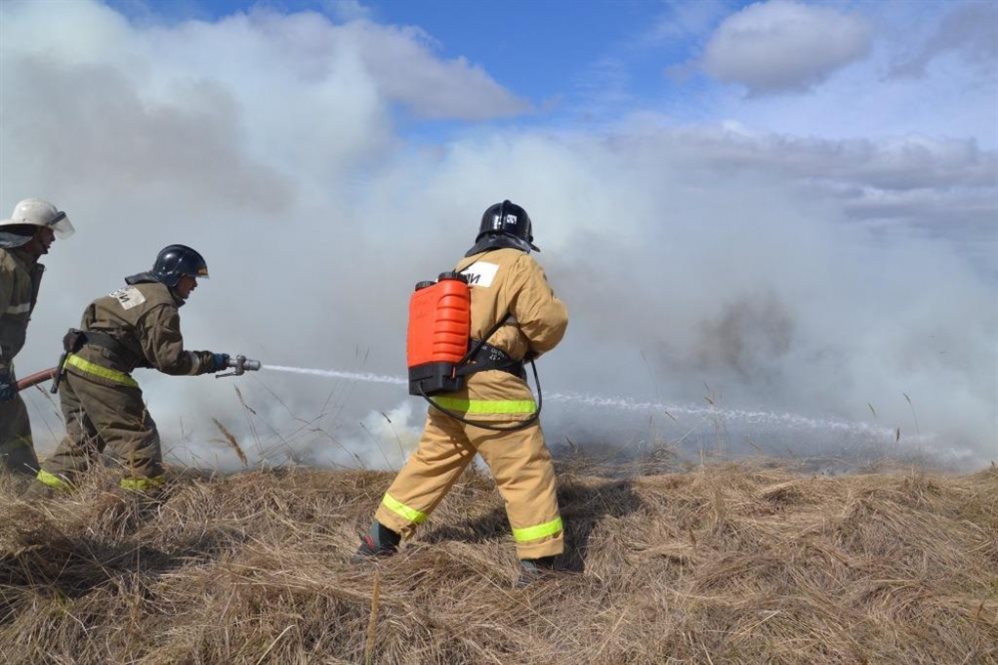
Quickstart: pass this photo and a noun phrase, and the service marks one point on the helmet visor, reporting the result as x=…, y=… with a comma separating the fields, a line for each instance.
x=61, y=225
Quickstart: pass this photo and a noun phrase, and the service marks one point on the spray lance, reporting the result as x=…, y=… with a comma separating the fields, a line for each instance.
x=240, y=365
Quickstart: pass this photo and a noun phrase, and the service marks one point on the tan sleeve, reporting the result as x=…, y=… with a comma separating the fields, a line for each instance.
x=540, y=315
x=163, y=345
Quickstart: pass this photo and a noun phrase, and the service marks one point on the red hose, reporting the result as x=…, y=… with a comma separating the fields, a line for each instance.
x=36, y=378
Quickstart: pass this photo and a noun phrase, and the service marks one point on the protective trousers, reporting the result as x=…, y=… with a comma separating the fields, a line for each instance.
x=99, y=419
x=17, y=454
x=520, y=464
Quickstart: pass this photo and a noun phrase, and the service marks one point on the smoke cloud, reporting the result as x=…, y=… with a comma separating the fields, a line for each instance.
x=711, y=273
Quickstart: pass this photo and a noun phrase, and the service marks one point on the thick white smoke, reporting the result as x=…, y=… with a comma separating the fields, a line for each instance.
x=766, y=273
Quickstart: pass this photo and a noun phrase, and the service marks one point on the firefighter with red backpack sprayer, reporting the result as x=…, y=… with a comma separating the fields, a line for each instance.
x=469, y=335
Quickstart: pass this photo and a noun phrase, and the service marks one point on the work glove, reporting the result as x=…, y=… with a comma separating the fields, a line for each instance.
x=219, y=361
x=8, y=389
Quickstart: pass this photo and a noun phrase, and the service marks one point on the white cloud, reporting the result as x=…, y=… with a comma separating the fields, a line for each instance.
x=403, y=63
x=970, y=30
x=306, y=47
x=683, y=19
x=348, y=10
x=784, y=45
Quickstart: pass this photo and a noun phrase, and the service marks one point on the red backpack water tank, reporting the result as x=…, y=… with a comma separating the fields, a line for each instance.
x=438, y=334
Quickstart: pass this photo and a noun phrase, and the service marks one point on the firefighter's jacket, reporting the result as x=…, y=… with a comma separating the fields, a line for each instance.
x=20, y=279
x=144, y=321
x=507, y=282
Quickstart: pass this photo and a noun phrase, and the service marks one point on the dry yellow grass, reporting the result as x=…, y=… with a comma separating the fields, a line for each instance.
x=725, y=564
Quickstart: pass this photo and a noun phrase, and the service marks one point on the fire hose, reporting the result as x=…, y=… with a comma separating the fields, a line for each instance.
x=36, y=378
x=239, y=365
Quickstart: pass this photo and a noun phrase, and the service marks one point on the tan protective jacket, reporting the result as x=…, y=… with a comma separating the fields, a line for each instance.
x=145, y=321
x=507, y=281
x=20, y=279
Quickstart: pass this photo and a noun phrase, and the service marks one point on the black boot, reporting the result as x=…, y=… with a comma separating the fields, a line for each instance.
x=37, y=490
x=379, y=542
x=534, y=570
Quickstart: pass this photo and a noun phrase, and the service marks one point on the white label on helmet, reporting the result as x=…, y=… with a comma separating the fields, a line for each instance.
x=128, y=297
x=481, y=273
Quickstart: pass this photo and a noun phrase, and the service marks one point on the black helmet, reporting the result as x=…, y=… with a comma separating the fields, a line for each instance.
x=175, y=261
x=510, y=221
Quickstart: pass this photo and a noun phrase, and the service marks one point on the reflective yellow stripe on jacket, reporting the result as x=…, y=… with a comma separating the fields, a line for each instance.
x=103, y=372
x=23, y=308
x=486, y=406
x=399, y=508
x=538, y=531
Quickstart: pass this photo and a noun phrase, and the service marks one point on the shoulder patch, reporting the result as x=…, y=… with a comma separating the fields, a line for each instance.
x=128, y=297
x=481, y=273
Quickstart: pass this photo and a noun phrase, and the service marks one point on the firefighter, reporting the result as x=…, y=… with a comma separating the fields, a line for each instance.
x=507, y=284
x=24, y=238
x=135, y=326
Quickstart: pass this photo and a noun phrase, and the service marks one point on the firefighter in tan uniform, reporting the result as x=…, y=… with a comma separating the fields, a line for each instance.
x=24, y=238
x=509, y=290
x=135, y=326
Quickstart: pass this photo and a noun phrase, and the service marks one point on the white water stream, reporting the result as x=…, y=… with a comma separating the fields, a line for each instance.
x=621, y=403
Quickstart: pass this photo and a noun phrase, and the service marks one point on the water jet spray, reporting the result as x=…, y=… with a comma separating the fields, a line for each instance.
x=772, y=419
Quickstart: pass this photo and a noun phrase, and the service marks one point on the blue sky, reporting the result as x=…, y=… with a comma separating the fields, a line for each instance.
x=595, y=62
x=795, y=203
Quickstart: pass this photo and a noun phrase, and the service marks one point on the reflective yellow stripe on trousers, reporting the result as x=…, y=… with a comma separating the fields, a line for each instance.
x=51, y=480
x=399, y=508
x=486, y=406
x=140, y=484
x=538, y=531
x=94, y=369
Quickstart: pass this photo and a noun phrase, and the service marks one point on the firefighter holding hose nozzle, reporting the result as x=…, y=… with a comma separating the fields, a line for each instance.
x=513, y=315
x=24, y=238
x=137, y=325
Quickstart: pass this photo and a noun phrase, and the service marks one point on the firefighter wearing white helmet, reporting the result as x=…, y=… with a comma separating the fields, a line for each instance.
x=24, y=238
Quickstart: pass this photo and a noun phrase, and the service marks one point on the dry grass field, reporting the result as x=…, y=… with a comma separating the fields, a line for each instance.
x=736, y=563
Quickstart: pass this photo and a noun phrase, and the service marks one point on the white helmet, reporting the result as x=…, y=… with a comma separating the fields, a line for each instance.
x=17, y=230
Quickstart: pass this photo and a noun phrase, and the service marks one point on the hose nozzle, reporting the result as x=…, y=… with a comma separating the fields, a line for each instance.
x=240, y=365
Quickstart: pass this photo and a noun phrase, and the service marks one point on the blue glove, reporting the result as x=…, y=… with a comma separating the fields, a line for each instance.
x=219, y=361
x=8, y=389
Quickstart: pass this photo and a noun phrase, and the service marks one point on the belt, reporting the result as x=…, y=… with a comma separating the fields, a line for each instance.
x=491, y=357
x=103, y=340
